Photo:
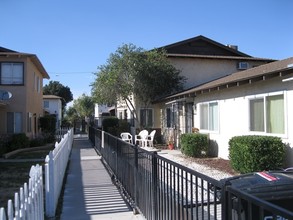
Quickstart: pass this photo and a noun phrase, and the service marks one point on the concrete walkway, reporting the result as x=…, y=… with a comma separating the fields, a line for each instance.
x=89, y=192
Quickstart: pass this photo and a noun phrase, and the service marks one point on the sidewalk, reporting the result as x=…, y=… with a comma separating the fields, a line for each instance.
x=89, y=192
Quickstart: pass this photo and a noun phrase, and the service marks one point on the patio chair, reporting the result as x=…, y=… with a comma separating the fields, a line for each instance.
x=125, y=136
x=150, y=139
x=140, y=139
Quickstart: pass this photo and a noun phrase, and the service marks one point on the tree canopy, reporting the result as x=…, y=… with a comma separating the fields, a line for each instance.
x=147, y=75
x=84, y=106
x=56, y=88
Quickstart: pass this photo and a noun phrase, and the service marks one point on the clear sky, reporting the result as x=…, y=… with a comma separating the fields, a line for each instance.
x=73, y=37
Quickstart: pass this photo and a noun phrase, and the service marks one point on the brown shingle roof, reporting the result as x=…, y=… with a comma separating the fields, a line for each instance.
x=257, y=73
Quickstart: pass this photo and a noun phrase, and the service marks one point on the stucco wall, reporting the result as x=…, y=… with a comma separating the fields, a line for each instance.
x=25, y=98
x=234, y=113
x=199, y=71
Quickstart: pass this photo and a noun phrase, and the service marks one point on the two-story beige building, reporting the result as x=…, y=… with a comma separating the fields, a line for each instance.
x=21, y=86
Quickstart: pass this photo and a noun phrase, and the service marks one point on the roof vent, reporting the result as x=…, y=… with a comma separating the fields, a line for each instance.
x=234, y=47
x=242, y=65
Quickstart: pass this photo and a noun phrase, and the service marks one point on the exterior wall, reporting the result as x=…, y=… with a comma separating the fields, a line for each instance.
x=25, y=98
x=99, y=109
x=233, y=111
x=199, y=70
x=34, y=96
x=55, y=107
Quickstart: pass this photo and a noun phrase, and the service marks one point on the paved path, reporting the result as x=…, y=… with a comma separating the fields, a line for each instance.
x=89, y=192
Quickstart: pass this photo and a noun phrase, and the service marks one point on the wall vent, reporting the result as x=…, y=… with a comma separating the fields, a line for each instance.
x=242, y=65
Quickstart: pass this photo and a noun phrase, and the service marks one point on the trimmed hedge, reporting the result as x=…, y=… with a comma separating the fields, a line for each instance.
x=111, y=125
x=18, y=141
x=254, y=153
x=194, y=144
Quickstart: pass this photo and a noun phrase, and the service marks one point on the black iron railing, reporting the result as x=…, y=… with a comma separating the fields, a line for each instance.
x=162, y=189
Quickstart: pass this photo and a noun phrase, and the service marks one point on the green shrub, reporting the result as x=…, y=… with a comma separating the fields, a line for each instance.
x=18, y=141
x=256, y=153
x=194, y=145
x=38, y=141
x=48, y=124
x=4, y=144
x=123, y=126
x=111, y=125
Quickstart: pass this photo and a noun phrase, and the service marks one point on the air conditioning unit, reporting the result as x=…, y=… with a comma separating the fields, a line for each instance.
x=242, y=65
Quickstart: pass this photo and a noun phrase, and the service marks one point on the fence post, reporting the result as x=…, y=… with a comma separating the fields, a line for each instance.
x=135, y=176
x=154, y=181
x=103, y=139
x=49, y=169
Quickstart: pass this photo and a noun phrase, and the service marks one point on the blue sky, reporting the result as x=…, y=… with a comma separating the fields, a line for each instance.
x=72, y=38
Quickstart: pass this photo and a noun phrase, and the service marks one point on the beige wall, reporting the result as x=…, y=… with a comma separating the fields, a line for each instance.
x=25, y=98
x=199, y=71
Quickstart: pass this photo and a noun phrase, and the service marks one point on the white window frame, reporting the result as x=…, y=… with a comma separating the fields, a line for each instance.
x=264, y=97
x=13, y=80
x=217, y=125
x=16, y=123
x=146, y=119
x=46, y=104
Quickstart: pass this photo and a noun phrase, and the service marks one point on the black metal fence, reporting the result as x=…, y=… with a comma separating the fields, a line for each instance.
x=162, y=189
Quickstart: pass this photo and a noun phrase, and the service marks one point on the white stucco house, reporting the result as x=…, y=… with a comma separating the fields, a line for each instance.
x=257, y=101
x=53, y=105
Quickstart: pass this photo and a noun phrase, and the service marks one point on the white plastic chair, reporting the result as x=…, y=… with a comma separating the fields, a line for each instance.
x=125, y=136
x=141, y=138
x=150, y=139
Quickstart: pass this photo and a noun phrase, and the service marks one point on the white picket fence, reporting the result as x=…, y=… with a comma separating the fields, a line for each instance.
x=55, y=167
x=29, y=201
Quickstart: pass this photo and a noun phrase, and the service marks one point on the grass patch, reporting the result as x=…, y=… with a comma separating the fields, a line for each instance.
x=14, y=174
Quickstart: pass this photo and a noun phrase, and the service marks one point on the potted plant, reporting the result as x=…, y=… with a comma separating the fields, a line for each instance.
x=171, y=145
x=171, y=142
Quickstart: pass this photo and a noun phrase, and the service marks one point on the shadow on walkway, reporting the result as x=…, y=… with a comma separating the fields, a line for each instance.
x=89, y=192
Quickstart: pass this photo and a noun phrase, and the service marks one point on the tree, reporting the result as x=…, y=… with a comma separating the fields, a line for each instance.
x=84, y=107
x=71, y=116
x=56, y=88
x=147, y=75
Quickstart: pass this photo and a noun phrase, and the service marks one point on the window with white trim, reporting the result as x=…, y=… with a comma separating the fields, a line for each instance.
x=209, y=116
x=267, y=114
x=11, y=74
x=146, y=117
x=14, y=122
x=46, y=104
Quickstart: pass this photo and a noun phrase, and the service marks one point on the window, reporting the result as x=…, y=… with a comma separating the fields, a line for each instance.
x=146, y=117
x=267, y=114
x=29, y=122
x=14, y=122
x=242, y=65
x=169, y=117
x=46, y=104
x=38, y=84
x=209, y=116
x=12, y=74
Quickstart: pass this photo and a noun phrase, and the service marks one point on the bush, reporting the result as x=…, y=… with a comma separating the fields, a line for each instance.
x=194, y=145
x=38, y=141
x=111, y=125
x=123, y=126
x=4, y=144
x=18, y=141
x=48, y=124
x=256, y=153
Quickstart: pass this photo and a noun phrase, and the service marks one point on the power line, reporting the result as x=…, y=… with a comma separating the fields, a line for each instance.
x=61, y=73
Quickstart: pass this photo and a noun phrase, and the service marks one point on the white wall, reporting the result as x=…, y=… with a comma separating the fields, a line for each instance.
x=55, y=107
x=234, y=113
